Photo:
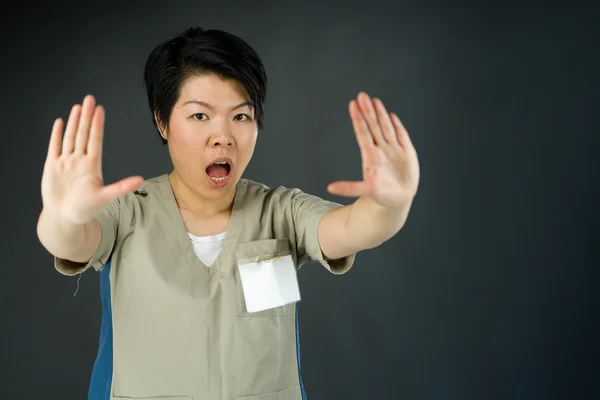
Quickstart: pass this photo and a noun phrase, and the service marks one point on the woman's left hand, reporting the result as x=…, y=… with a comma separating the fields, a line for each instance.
x=389, y=161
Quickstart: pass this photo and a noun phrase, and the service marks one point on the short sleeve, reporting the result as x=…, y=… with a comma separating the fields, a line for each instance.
x=109, y=222
x=308, y=211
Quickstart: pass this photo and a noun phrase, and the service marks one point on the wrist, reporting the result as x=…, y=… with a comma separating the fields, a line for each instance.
x=388, y=211
x=50, y=217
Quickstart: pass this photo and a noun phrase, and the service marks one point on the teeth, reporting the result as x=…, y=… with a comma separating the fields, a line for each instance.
x=221, y=162
x=221, y=179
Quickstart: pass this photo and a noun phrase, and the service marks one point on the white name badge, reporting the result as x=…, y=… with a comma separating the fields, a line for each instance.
x=269, y=283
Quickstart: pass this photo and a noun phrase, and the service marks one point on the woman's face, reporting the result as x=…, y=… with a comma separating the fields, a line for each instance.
x=211, y=135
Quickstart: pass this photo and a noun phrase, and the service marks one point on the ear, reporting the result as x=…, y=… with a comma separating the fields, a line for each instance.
x=162, y=133
x=159, y=126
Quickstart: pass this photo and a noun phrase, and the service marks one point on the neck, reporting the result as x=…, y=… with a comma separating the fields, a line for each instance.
x=189, y=199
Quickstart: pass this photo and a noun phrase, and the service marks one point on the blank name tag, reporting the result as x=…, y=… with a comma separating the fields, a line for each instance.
x=269, y=283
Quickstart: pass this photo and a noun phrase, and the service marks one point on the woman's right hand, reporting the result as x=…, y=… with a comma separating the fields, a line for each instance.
x=73, y=190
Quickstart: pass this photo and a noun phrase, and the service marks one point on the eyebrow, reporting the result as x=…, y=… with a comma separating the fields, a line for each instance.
x=205, y=104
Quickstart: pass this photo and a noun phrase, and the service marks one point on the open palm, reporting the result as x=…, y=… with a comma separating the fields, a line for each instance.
x=72, y=184
x=390, y=164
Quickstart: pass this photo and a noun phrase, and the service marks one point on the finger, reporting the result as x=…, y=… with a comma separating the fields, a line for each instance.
x=348, y=188
x=83, y=129
x=401, y=133
x=94, y=146
x=363, y=136
x=366, y=107
x=120, y=188
x=389, y=132
x=55, y=140
x=69, y=139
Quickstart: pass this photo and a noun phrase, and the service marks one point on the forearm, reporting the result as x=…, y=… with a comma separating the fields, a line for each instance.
x=359, y=226
x=370, y=224
x=68, y=241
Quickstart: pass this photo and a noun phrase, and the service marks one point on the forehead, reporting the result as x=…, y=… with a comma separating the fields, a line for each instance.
x=213, y=90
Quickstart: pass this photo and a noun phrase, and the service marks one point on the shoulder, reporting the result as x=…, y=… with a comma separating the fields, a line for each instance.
x=281, y=196
x=258, y=191
x=152, y=187
x=152, y=194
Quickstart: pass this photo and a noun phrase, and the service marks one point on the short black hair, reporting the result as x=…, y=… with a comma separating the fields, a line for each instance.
x=198, y=51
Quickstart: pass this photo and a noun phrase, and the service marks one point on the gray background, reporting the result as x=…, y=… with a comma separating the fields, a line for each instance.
x=489, y=290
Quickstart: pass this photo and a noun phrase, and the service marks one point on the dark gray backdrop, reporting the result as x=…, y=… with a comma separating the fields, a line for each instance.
x=489, y=290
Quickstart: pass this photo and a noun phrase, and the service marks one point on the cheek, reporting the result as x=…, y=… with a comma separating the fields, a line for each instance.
x=182, y=134
x=248, y=137
x=246, y=143
x=183, y=143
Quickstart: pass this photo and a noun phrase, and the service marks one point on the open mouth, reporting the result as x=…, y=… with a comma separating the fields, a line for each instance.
x=219, y=171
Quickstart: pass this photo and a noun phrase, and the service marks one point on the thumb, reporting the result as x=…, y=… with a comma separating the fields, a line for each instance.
x=349, y=188
x=120, y=188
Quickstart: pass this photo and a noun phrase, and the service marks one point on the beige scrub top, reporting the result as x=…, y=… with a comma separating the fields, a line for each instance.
x=173, y=328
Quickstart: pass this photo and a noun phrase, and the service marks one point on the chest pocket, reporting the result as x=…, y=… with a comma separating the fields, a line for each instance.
x=261, y=249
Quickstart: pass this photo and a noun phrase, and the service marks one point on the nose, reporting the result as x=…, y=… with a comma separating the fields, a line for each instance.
x=222, y=137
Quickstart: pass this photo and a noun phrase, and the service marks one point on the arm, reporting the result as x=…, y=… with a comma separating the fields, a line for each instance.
x=67, y=241
x=385, y=196
x=359, y=226
x=80, y=214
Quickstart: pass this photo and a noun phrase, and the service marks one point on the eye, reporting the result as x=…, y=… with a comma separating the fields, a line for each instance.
x=242, y=117
x=200, y=116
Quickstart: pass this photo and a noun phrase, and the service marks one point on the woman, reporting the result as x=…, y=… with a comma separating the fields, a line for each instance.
x=198, y=267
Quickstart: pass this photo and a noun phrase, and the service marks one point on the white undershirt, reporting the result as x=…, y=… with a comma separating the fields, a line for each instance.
x=207, y=248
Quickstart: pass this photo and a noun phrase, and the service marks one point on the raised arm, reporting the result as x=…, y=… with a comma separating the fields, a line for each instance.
x=73, y=191
x=385, y=195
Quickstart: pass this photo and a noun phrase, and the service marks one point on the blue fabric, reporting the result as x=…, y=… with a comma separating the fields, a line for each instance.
x=298, y=356
x=101, y=379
